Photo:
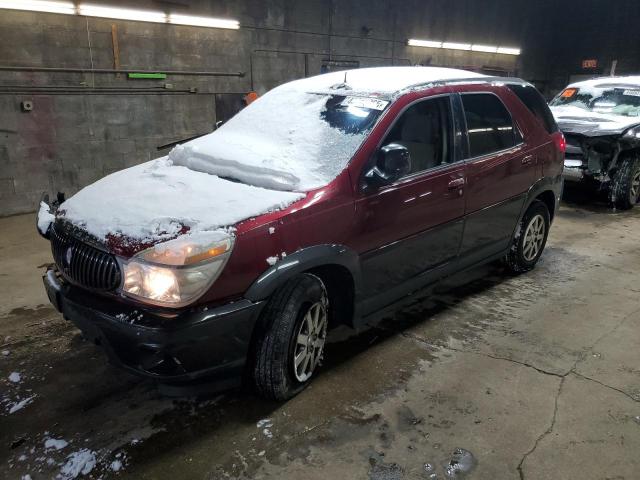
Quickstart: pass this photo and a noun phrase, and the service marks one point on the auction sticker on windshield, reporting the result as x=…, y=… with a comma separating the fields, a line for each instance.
x=632, y=93
x=569, y=92
x=365, y=102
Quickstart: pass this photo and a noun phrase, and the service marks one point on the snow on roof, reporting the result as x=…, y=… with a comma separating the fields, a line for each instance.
x=608, y=82
x=383, y=80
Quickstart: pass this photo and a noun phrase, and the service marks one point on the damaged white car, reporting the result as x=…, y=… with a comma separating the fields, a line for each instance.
x=600, y=119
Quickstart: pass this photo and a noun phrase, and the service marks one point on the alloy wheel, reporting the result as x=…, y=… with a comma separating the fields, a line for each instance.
x=533, y=238
x=310, y=340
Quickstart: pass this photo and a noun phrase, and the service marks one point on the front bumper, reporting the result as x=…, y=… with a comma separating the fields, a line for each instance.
x=169, y=347
x=574, y=170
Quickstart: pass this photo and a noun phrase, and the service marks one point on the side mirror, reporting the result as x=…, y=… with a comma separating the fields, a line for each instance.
x=393, y=163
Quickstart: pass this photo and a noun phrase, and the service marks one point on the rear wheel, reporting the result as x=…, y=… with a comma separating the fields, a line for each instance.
x=530, y=239
x=290, y=350
x=626, y=184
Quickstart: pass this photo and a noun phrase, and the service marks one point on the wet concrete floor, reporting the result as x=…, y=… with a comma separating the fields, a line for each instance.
x=490, y=377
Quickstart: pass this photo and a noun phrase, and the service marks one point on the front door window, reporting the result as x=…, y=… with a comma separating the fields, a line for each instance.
x=424, y=130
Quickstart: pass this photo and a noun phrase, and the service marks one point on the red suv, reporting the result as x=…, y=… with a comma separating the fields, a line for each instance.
x=322, y=203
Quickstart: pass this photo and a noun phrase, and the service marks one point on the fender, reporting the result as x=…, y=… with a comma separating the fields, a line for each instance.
x=302, y=261
x=545, y=184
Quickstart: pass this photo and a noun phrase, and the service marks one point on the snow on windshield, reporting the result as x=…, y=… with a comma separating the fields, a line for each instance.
x=622, y=100
x=289, y=139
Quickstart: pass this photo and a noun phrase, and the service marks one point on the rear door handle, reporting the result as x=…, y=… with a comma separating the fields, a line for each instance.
x=527, y=160
x=457, y=183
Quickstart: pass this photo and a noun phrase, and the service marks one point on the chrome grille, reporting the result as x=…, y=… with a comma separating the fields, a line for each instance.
x=82, y=263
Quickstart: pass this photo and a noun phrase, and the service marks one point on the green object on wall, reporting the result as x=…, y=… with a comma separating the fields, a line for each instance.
x=148, y=75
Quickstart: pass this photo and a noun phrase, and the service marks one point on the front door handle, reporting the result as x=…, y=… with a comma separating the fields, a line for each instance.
x=457, y=183
x=527, y=160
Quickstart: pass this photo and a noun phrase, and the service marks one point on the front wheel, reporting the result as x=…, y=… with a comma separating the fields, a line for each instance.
x=626, y=184
x=290, y=349
x=530, y=239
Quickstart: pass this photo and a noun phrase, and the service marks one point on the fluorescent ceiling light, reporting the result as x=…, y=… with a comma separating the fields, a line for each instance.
x=509, y=51
x=484, y=48
x=456, y=46
x=67, y=8
x=203, y=21
x=103, y=11
x=122, y=13
x=424, y=43
x=463, y=46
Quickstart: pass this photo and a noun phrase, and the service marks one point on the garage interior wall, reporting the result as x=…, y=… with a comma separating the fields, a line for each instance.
x=606, y=32
x=85, y=125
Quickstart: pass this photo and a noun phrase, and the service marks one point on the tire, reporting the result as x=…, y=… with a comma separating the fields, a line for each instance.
x=625, y=190
x=530, y=239
x=287, y=318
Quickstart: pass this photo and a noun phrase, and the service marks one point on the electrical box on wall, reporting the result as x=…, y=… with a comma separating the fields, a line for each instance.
x=26, y=105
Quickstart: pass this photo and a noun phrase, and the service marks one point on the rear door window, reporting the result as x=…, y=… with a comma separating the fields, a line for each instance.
x=489, y=124
x=536, y=105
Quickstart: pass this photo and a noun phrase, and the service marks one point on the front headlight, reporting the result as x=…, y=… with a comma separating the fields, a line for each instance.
x=177, y=272
x=632, y=134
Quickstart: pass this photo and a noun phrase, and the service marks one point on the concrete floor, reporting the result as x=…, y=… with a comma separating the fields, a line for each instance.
x=531, y=377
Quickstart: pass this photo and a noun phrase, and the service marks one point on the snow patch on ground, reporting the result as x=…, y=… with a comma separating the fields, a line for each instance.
x=265, y=424
x=20, y=404
x=118, y=463
x=57, y=444
x=78, y=463
x=115, y=466
x=15, y=377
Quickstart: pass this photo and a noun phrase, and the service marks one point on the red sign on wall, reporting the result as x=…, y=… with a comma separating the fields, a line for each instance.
x=591, y=63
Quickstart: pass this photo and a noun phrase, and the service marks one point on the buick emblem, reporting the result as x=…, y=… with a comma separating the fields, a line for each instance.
x=67, y=256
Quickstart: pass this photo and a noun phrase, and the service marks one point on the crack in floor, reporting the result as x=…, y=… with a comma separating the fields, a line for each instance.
x=628, y=395
x=520, y=467
x=561, y=376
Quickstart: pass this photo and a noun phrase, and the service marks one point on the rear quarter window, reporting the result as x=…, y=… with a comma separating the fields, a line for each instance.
x=489, y=124
x=536, y=105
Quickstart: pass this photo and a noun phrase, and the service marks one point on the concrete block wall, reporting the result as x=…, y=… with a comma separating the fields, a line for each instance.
x=78, y=131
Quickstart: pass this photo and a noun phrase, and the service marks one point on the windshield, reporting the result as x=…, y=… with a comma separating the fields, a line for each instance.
x=624, y=101
x=289, y=139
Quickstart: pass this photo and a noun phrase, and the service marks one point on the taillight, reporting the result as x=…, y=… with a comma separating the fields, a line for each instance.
x=560, y=142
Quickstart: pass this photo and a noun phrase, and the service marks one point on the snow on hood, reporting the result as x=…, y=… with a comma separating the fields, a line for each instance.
x=573, y=119
x=281, y=140
x=155, y=200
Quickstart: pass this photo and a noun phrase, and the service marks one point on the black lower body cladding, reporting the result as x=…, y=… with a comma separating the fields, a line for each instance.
x=177, y=348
